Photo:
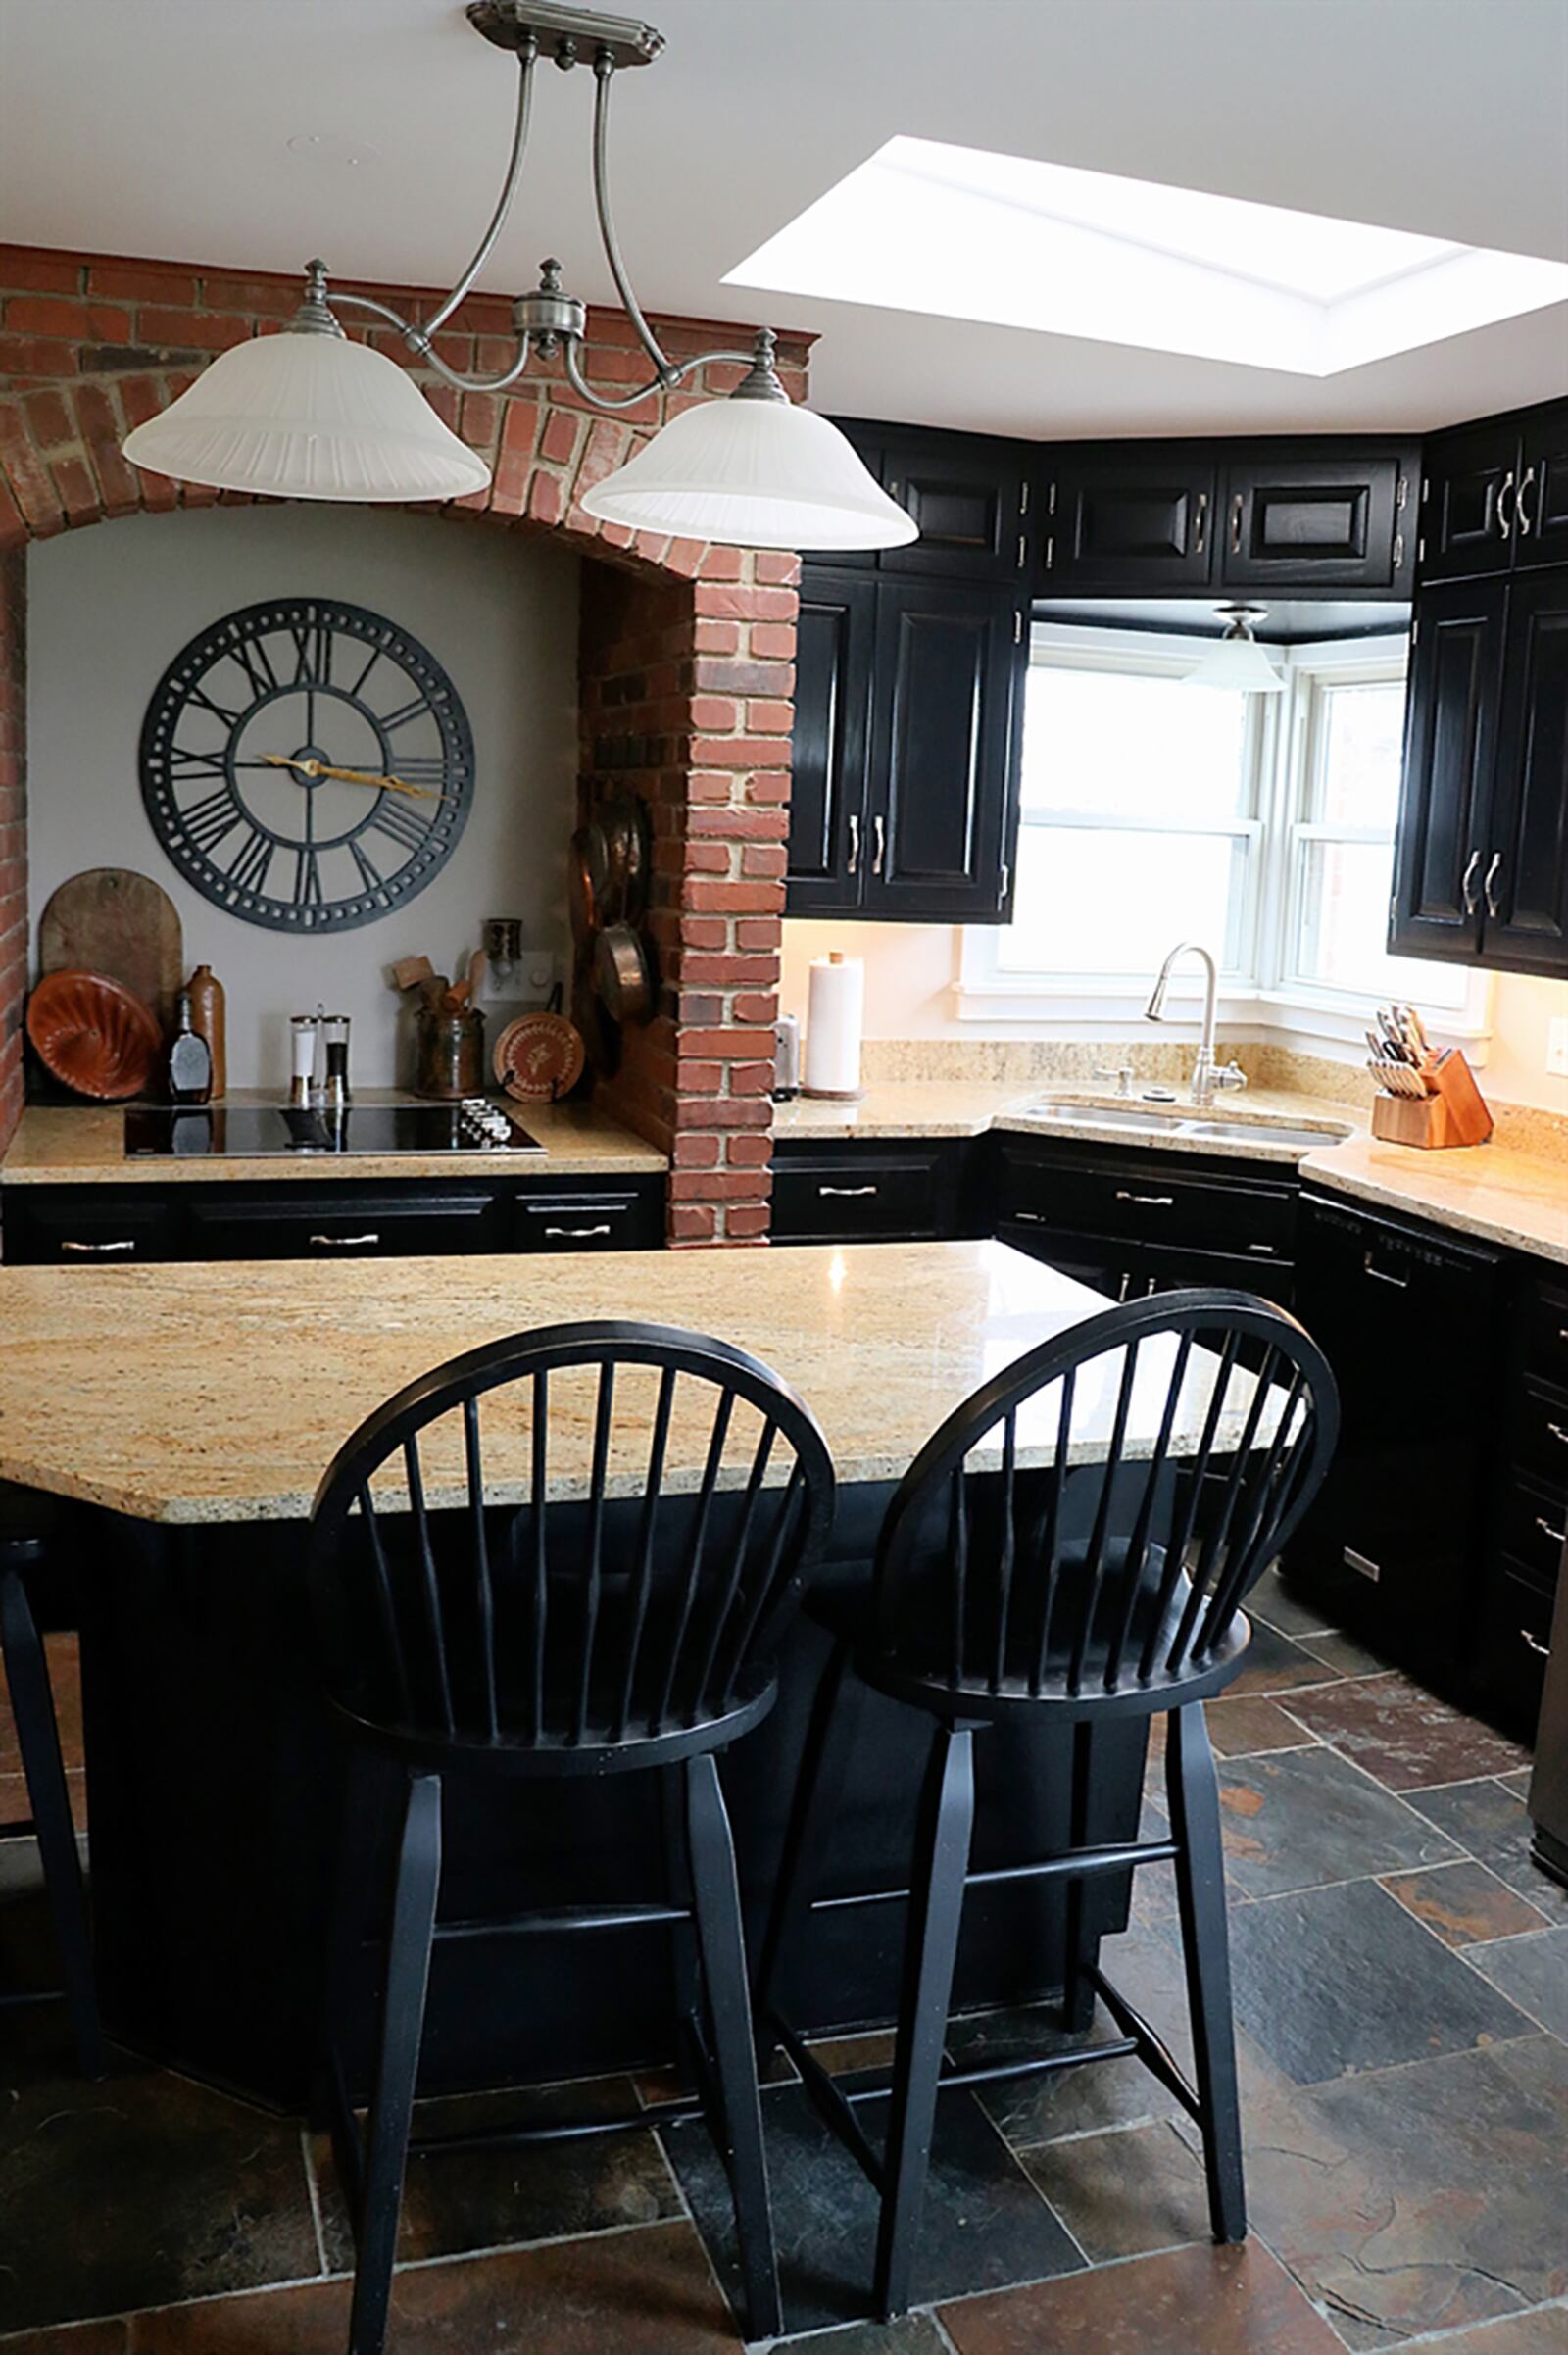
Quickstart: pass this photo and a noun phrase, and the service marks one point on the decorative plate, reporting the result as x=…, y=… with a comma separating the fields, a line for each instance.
x=539, y=1058
x=94, y=1035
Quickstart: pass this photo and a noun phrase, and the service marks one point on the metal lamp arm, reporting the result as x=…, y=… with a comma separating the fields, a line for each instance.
x=604, y=74
x=668, y=377
x=527, y=52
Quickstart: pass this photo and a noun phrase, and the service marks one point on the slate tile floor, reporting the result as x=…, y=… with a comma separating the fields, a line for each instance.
x=1401, y=1990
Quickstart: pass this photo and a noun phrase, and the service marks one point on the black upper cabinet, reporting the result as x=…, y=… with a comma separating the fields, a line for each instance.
x=970, y=498
x=1524, y=883
x=908, y=722
x=942, y=751
x=1128, y=520
x=1495, y=495
x=1337, y=521
x=835, y=637
x=1449, y=753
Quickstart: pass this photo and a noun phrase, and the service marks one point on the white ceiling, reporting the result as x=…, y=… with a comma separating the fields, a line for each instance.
x=163, y=128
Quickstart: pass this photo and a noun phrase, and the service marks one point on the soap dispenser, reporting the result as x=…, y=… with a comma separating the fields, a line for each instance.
x=191, y=1058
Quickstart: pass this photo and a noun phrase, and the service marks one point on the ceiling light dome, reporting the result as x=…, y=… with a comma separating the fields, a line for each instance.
x=1238, y=663
x=308, y=414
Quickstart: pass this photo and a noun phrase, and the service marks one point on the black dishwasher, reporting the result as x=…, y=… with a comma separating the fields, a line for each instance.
x=1413, y=1325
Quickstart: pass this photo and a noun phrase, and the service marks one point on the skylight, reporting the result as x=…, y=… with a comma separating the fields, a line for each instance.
x=961, y=234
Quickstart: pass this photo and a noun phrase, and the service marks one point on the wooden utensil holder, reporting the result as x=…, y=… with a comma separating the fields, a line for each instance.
x=1455, y=1114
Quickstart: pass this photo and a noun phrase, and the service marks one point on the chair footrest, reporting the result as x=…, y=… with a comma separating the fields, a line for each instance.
x=1072, y=1864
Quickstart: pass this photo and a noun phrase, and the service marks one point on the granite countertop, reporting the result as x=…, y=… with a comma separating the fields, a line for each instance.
x=73, y=1144
x=1495, y=1191
x=882, y=1340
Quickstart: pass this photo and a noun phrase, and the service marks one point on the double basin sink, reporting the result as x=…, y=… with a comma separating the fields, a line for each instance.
x=1153, y=1121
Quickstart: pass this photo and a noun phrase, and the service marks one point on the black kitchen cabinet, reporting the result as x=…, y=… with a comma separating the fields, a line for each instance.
x=1415, y=1326
x=872, y=1190
x=1495, y=495
x=1481, y=870
x=113, y=1226
x=972, y=496
x=909, y=724
x=1529, y=1520
x=1133, y=519
x=1337, y=522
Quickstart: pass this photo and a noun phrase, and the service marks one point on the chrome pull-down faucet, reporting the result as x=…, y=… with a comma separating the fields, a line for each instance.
x=1207, y=1075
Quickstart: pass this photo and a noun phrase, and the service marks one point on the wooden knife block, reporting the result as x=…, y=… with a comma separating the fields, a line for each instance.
x=1455, y=1116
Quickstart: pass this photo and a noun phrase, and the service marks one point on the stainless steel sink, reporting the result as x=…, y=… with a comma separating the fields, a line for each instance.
x=1162, y=1120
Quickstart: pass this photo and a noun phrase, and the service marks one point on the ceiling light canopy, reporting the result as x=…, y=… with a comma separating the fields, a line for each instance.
x=309, y=414
x=957, y=232
x=1237, y=662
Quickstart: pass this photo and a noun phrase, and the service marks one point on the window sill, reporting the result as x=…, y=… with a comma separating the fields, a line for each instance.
x=1066, y=1006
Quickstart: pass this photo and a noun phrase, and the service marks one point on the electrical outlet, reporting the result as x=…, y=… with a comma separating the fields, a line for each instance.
x=1557, y=1046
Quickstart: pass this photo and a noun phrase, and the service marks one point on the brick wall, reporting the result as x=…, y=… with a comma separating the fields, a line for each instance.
x=687, y=663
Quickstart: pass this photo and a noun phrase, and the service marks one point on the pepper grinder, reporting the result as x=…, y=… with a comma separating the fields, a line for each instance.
x=301, y=1029
x=336, y=1095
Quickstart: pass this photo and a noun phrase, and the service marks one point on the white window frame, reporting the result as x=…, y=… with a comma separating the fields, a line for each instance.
x=1266, y=998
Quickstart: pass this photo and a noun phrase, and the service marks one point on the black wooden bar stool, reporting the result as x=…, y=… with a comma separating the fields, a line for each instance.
x=1077, y=1538
x=23, y=1547
x=614, y=1616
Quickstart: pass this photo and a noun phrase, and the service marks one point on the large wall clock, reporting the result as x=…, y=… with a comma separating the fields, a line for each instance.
x=307, y=765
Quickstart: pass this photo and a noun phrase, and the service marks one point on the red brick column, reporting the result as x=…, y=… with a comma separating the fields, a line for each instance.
x=687, y=663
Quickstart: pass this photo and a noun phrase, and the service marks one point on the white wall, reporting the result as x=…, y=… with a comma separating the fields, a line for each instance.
x=109, y=608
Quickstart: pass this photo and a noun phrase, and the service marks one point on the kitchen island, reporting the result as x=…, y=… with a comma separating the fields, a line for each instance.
x=185, y=1414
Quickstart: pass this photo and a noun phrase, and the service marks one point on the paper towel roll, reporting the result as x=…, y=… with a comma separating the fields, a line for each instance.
x=835, y=1008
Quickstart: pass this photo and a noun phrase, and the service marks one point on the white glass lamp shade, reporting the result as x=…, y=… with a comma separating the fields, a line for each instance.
x=308, y=416
x=752, y=473
x=1239, y=665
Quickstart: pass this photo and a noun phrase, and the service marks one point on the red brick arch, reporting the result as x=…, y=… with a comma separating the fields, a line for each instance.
x=687, y=653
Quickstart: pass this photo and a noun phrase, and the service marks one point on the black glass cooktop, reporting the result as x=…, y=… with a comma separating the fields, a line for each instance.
x=264, y=1131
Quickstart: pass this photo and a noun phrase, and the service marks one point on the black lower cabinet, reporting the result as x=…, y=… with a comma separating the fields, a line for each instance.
x=874, y=1190
x=1415, y=1327
x=1528, y=1518
x=114, y=1226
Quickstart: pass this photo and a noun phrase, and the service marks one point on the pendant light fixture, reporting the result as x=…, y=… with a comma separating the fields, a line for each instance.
x=307, y=413
x=1237, y=662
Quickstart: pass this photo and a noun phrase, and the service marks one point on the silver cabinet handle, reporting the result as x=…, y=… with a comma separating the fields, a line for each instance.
x=1200, y=532
x=1150, y=1201
x=1237, y=510
x=1467, y=882
x=1505, y=520
x=847, y=1190
x=1542, y=1651
x=578, y=1234
x=1521, y=513
x=1262, y=1246
x=1489, y=880
x=342, y=1243
x=126, y=1245
x=1558, y=1433
x=1559, y=1537
x=854, y=866
x=1127, y=1278
x=879, y=841
x=1362, y=1564
x=1400, y=1283
x=1031, y=1218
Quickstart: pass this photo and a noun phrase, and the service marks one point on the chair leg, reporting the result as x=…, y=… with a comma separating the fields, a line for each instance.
x=818, y=1789
x=716, y=1898
x=49, y=1799
x=1077, y=1986
x=677, y=1881
x=1192, y=1790
x=936, y=1912
x=407, y=1970
x=364, y=1790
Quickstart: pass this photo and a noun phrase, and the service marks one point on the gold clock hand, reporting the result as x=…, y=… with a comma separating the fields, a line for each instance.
x=354, y=776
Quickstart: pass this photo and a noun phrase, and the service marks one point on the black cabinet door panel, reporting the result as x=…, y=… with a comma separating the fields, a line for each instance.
x=1466, y=511
x=1449, y=747
x=92, y=1226
x=828, y=828
x=967, y=498
x=589, y=1219
x=1122, y=523
x=1146, y=1197
x=1523, y=878
x=1540, y=524
x=343, y=1222
x=941, y=799
x=861, y=1194
x=1299, y=522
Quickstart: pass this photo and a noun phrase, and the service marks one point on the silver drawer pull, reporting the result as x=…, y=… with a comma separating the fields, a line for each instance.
x=126, y=1245
x=1559, y=1537
x=1542, y=1651
x=1360, y=1563
x=1150, y=1201
x=341, y=1243
x=1262, y=1246
x=846, y=1190
x=1399, y=1282
x=1558, y=1433
x=578, y=1234
x=1030, y=1218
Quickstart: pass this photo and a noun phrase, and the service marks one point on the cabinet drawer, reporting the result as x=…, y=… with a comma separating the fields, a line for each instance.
x=863, y=1198
x=1533, y=1526
x=607, y=1218
x=89, y=1226
x=344, y=1224
x=1515, y=1638
x=1547, y=1334
x=1238, y=1216
x=1539, y=1437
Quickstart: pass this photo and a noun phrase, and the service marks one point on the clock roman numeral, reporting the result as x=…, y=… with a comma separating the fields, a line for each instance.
x=184, y=766
x=422, y=768
x=257, y=663
x=370, y=872
x=400, y=718
x=312, y=654
x=308, y=877
x=248, y=870
x=406, y=827
x=205, y=823
x=220, y=711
